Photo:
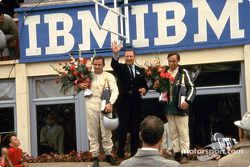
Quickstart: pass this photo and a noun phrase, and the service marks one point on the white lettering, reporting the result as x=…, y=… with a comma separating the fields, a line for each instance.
x=54, y=33
x=31, y=22
x=206, y=15
x=180, y=28
x=139, y=12
x=100, y=35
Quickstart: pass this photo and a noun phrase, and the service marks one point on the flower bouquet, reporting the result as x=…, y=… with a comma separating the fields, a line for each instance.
x=159, y=77
x=74, y=72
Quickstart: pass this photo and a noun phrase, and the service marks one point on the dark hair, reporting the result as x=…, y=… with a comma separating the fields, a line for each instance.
x=99, y=58
x=129, y=49
x=7, y=139
x=51, y=114
x=174, y=53
x=152, y=129
x=2, y=8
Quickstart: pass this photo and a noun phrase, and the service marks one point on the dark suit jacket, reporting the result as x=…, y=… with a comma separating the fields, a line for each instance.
x=124, y=82
x=149, y=158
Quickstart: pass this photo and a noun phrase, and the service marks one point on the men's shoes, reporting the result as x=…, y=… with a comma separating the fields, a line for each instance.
x=95, y=162
x=184, y=159
x=111, y=160
x=177, y=156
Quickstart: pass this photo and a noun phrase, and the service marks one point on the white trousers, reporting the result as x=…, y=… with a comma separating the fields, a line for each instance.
x=179, y=133
x=166, y=141
x=94, y=125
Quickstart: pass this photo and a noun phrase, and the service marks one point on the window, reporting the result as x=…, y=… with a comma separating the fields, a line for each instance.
x=7, y=90
x=217, y=74
x=214, y=113
x=46, y=88
x=7, y=123
x=64, y=118
x=66, y=111
x=7, y=107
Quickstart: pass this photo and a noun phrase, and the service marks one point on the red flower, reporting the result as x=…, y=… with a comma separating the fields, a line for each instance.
x=162, y=75
x=72, y=68
x=163, y=69
x=155, y=72
x=84, y=61
x=75, y=73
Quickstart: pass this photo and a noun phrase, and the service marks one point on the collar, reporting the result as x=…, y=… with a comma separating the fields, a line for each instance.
x=174, y=72
x=149, y=149
x=133, y=66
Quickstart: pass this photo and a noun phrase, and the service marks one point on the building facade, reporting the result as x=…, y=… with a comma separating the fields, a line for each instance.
x=212, y=37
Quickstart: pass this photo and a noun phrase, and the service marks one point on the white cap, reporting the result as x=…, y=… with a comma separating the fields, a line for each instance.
x=245, y=122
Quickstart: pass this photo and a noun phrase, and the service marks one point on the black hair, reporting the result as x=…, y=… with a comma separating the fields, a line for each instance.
x=174, y=53
x=99, y=58
x=130, y=49
x=7, y=139
x=152, y=129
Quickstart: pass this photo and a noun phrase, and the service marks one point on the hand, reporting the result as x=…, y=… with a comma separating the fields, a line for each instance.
x=4, y=151
x=156, y=84
x=116, y=48
x=108, y=108
x=83, y=85
x=142, y=91
x=184, y=105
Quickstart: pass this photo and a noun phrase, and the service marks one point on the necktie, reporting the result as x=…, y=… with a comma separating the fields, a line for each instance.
x=131, y=71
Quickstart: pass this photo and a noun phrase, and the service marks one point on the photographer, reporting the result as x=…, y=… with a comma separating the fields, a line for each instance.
x=240, y=156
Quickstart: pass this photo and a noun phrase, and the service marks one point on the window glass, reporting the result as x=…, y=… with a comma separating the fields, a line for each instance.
x=211, y=114
x=56, y=130
x=218, y=74
x=50, y=88
x=7, y=120
x=7, y=90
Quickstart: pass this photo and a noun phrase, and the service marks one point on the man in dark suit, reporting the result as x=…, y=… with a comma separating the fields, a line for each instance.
x=151, y=134
x=132, y=85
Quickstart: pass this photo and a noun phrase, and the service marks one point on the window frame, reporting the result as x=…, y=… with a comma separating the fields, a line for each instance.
x=80, y=124
x=10, y=103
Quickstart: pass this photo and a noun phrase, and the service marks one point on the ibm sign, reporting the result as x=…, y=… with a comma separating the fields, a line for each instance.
x=47, y=33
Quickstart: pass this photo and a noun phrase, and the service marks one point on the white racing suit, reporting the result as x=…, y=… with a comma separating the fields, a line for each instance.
x=94, y=116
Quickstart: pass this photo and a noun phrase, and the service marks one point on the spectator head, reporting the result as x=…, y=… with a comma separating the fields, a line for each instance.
x=51, y=119
x=11, y=140
x=151, y=130
x=244, y=125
